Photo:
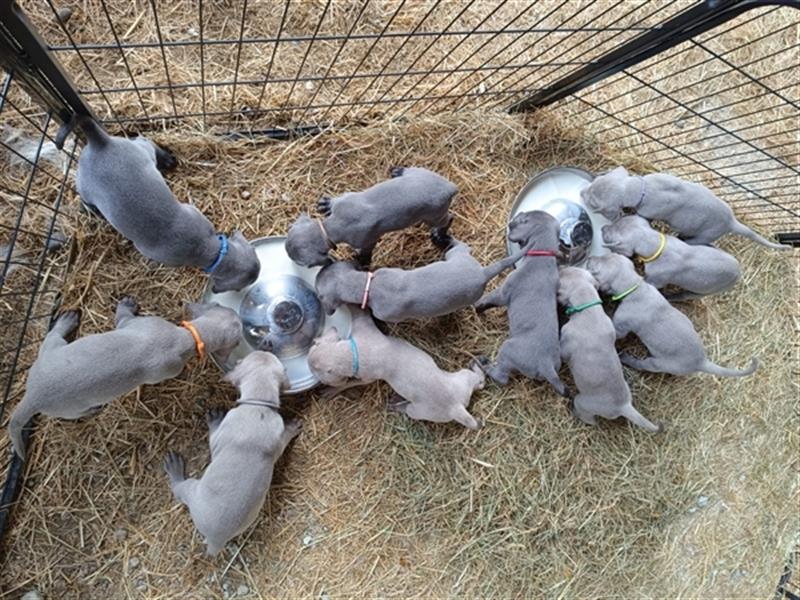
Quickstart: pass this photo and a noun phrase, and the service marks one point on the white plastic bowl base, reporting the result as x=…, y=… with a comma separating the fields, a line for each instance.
x=275, y=262
x=560, y=183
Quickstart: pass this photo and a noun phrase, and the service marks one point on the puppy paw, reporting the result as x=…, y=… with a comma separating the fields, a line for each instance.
x=69, y=320
x=324, y=206
x=165, y=159
x=396, y=172
x=396, y=403
x=175, y=466
x=481, y=361
x=293, y=426
x=130, y=303
x=214, y=417
x=441, y=239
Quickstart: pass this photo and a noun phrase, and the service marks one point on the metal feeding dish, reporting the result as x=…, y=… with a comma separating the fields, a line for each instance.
x=280, y=313
x=558, y=192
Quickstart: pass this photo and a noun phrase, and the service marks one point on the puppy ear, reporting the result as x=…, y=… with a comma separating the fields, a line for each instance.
x=233, y=376
x=196, y=309
x=223, y=355
x=238, y=236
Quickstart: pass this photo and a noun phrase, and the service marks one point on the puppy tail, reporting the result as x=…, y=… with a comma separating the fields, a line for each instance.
x=461, y=415
x=635, y=417
x=94, y=132
x=715, y=369
x=19, y=419
x=745, y=231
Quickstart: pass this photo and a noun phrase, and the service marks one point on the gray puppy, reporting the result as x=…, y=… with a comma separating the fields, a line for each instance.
x=700, y=270
x=422, y=390
x=669, y=335
x=530, y=293
x=587, y=345
x=245, y=442
x=74, y=380
x=689, y=208
x=397, y=295
x=412, y=196
x=118, y=179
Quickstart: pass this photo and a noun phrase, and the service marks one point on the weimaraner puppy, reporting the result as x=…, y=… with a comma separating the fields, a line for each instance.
x=245, y=442
x=422, y=390
x=397, y=295
x=118, y=179
x=530, y=293
x=587, y=346
x=700, y=270
x=669, y=335
x=74, y=380
x=690, y=209
x=413, y=195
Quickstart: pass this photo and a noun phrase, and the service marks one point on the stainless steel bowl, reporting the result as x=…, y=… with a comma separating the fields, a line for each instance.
x=557, y=192
x=280, y=313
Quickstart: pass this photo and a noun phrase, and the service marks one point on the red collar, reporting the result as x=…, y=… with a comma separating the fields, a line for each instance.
x=540, y=253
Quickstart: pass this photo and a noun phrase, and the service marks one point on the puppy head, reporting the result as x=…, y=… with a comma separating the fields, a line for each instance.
x=606, y=193
x=221, y=327
x=326, y=283
x=622, y=235
x=239, y=268
x=612, y=272
x=264, y=367
x=535, y=226
x=330, y=359
x=305, y=243
x=572, y=280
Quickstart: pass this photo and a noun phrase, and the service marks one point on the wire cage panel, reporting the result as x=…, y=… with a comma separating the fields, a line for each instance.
x=34, y=253
x=721, y=109
x=275, y=64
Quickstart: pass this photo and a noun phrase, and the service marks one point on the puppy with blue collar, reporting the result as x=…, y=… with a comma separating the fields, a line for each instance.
x=119, y=180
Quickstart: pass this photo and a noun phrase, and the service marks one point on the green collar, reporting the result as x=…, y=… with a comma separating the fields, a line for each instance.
x=576, y=309
x=624, y=294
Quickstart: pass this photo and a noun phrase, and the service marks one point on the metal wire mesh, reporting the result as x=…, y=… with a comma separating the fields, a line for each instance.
x=33, y=253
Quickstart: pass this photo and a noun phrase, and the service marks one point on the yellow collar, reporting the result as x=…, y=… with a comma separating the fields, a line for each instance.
x=198, y=341
x=662, y=244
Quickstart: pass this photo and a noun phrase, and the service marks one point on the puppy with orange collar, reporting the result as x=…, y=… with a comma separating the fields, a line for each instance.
x=74, y=380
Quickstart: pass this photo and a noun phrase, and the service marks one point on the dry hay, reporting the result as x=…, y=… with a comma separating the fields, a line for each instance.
x=372, y=504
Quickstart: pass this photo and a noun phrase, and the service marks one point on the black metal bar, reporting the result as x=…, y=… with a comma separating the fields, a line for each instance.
x=790, y=237
x=202, y=63
x=400, y=47
x=347, y=38
x=671, y=74
x=316, y=78
x=25, y=53
x=355, y=72
x=124, y=56
x=331, y=37
x=272, y=58
x=163, y=56
x=305, y=56
x=610, y=9
x=682, y=27
x=445, y=55
x=238, y=55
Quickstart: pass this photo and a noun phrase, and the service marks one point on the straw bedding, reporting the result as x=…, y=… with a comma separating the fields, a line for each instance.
x=369, y=503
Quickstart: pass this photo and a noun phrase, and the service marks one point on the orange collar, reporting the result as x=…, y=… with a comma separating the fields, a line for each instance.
x=198, y=341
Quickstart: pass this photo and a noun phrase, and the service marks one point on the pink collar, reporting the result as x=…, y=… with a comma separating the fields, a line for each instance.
x=365, y=298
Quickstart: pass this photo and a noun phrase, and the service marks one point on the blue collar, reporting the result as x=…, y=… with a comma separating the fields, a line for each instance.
x=354, y=350
x=223, y=250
